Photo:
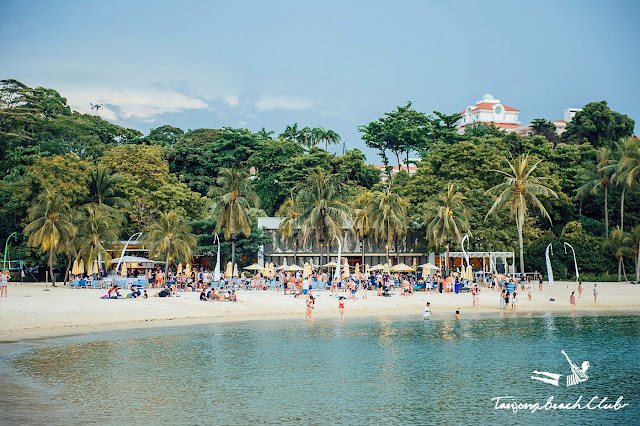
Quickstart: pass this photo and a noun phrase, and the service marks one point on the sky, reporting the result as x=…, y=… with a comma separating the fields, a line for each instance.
x=338, y=64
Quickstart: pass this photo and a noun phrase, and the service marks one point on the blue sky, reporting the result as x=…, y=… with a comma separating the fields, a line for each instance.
x=339, y=64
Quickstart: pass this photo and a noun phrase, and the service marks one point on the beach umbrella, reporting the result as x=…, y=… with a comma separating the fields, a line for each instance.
x=367, y=269
x=425, y=273
x=75, y=268
x=356, y=271
x=401, y=267
x=377, y=267
x=253, y=267
x=94, y=268
x=429, y=266
x=179, y=268
x=81, y=267
x=414, y=265
x=345, y=269
x=228, y=270
x=123, y=270
x=311, y=266
x=293, y=268
x=305, y=270
x=283, y=266
x=187, y=269
x=235, y=270
x=330, y=265
x=387, y=267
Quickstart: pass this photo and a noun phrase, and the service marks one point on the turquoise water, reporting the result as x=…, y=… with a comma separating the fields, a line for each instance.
x=377, y=371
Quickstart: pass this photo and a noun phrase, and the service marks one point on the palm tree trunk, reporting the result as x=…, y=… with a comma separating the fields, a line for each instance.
x=446, y=261
x=53, y=277
x=233, y=253
x=166, y=266
x=520, y=225
x=407, y=162
x=606, y=212
x=619, y=268
x=623, y=271
x=66, y=274
x=638, y=267
x=398, y=159
x=622, y=210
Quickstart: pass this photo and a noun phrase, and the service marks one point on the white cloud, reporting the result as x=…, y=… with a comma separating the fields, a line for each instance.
x=232, y=101
x=143, y=103
x=271, y=103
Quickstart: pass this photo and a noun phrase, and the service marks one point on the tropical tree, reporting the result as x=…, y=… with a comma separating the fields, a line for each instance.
x=625, y=168
x=233, y=197
x=98, y=230
x=520, y=191
x=597, y=180
x=291, y=133
x=289, y=226
x=618, y=242
x=170, y=236
x=389, y=217
x=447, y=219
x=362, y=206
x=323, y=210
x=327, y=135
x=306, y=137
x=50, y=226
x=634, y=242
x=264, y=134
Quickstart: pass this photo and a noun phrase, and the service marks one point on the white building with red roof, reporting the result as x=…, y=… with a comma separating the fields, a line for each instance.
x=490, y=110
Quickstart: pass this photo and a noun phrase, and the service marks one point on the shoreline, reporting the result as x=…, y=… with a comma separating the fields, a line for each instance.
x=31, y=313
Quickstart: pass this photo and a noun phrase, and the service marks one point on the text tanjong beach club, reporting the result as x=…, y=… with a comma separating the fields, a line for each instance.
x=595, y=403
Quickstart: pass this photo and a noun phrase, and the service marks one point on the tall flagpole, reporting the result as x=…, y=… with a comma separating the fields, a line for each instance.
x=337, y=273
x=216, y=271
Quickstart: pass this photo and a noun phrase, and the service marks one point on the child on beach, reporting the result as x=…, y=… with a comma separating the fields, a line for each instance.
x=426, y=315
x=4, y=282
x=530, y=289
x=595, y=293
x=341, y=307
x=514, y=301
x=579, y=289
x=457, y=314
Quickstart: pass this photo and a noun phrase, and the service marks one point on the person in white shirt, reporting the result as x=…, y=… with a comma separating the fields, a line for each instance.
x=305, y=286
x=427, y=312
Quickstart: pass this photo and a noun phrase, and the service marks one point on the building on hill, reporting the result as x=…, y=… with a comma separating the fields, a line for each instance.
x=490, y=110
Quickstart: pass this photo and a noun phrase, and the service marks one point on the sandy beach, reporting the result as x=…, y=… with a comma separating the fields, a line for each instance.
x=30, y=312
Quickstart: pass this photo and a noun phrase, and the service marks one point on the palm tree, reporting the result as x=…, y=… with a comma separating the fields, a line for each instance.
x=170, y=236
x=597, y=180
x=362, y=209
x=288, y=227
x=233, y=197
x=306, y=137
x=319, y=134
x=519, y=191
x=446, y=219
x=97, y=233
x=102, y=187
x=331, y=138
x=634, y=242
x=264, y=134
x=321, y=200
x=50, y=226
x=389, y=217
x=629, y=169
x=619, y=242
x=291, y=133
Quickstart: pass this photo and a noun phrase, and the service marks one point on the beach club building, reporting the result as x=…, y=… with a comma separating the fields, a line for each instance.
x=295, y=250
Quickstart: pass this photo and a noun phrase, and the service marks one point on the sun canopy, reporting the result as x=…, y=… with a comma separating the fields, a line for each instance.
x=330, y=265
x=293, y=268
x=254, y=267
x=428, y=266
x=133, y=259
x=401, y=267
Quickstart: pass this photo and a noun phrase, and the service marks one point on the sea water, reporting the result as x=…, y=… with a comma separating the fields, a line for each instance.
x=374, y=371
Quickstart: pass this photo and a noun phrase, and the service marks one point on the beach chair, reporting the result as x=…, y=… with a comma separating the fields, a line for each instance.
x=75, y=283
x=321, y=285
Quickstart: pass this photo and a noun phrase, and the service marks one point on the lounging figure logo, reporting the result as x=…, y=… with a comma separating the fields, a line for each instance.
x=578, y=375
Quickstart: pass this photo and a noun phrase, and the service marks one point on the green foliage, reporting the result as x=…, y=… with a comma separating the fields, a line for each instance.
x=599, y=125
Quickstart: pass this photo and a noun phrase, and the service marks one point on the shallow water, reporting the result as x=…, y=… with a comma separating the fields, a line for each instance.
x=357, y=372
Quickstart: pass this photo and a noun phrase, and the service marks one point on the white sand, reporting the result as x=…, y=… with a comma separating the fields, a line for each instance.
x=31, y=312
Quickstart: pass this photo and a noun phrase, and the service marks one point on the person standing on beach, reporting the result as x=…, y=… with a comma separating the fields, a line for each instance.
x=4, y=282
x=579, y=289
x=572, y=300
x=457, y=314
x=530, y=289
x=341, y=307
x=595, y=293
x=506, y=300
x=426, y=315
x=540, y=282
x=514, y=301
x=502, y=300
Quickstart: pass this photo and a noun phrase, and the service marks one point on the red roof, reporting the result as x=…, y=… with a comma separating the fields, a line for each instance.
x=560, y=121
x=489, y=106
